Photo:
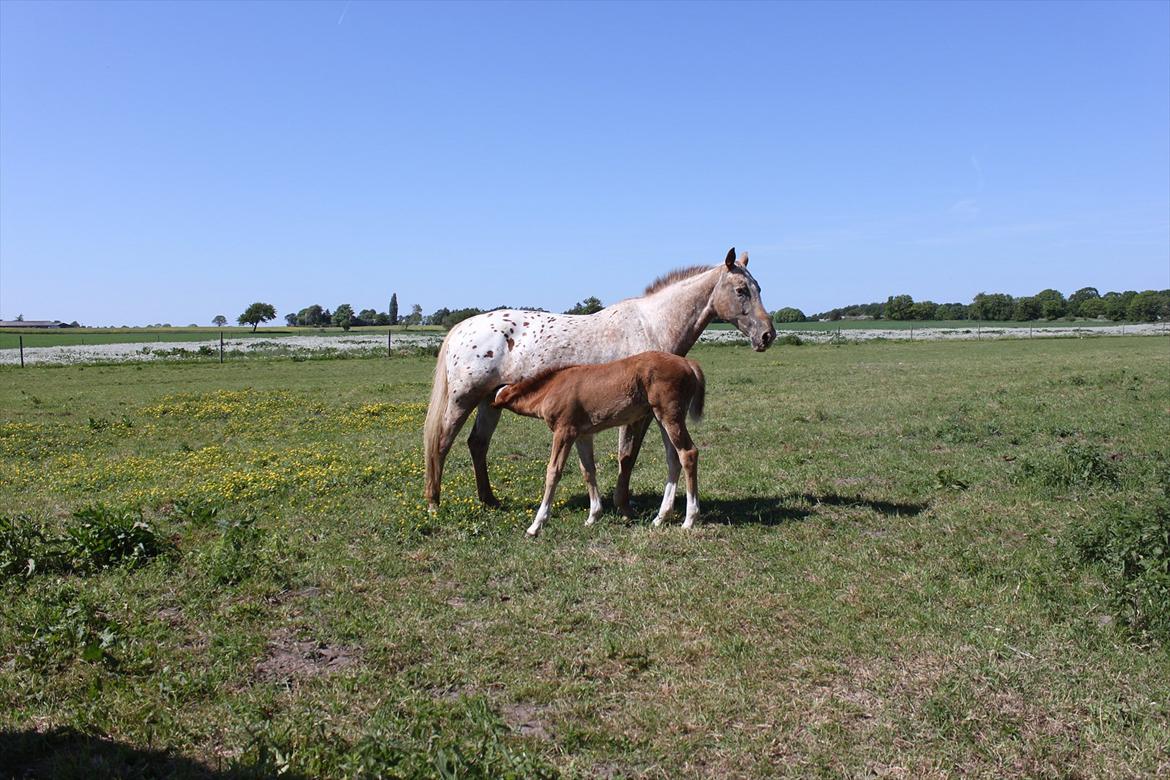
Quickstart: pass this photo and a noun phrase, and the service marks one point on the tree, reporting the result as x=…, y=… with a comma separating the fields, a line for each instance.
x=312, y=316
x=343, y=316
x=367, y=317
x=415, y=314
x=899, y=307
x=219, y=320
x=1078, y=299
x=382, y=319
x=291, y=319
x=951, y=311
x=1052, y=304
x=438, y=316
x=394, y=309
x=991, y=306
x=1026, y=309
x=257, y=313
x=1091, y=308
x=1149, y=306
x=20, y=318
x=587, y=306
x=789, y=314
x=924, y=310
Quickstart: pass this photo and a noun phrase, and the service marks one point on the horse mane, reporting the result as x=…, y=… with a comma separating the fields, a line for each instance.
x=677, y=275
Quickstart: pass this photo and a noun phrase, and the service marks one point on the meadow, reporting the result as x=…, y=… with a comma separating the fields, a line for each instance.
x=915, y=560
x=10, y=338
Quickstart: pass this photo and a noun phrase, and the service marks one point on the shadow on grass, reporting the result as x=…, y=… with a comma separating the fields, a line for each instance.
x=69, y=753
x=761, y=510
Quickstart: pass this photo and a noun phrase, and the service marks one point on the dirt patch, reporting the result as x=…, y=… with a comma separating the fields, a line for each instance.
x=289, y=658
x=526, y=720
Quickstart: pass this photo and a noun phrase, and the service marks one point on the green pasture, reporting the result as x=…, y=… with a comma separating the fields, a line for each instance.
x=72, y=337
x=914, y=562
x=971, y=325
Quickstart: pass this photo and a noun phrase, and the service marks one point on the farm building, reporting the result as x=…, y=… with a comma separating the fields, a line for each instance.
x=34, y=324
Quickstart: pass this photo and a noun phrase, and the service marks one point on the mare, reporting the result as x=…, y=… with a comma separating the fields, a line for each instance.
x=504, y=347
x=579, y=401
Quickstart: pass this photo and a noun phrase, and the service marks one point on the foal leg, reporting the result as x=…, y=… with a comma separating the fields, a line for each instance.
x=486, y=420
x=673, y=469
x=589, y=472
x=562, y=443
x=676, y=429
x=629, y=442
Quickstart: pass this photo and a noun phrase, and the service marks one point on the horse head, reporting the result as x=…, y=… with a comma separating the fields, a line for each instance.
x=736, y=299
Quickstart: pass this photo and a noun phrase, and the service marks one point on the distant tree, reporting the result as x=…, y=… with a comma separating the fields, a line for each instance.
x=416, y=314
x=951, y=311
x=310, y=316
x=1117, y=304
x=219, y=320
x=588, y=306
x=1091, y=308
x=899, y=307
x=1149, y=306
x=367, y=317
x=257, y=313
x=437, y=317
x=20, y=318
x=1026, y=309
x=924, y=310
x=343, y=316
x=459, y=315
x=393, y=309
x=1052, y=304
x=1077, y=299
x=291, y=319
x=382, y=318
x=789, y=314
x=991, y=306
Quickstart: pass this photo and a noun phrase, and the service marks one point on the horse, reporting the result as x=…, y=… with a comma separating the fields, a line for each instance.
x=502, y=347
x=579, y=401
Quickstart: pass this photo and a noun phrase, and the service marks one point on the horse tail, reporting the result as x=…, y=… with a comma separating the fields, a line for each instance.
x=433, y=428
x=700, y=395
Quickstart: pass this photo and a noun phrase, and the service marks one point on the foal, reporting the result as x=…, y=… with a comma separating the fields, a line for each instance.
x=578, y=401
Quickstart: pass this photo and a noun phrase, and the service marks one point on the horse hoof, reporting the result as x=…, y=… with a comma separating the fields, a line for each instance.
x=491, y=502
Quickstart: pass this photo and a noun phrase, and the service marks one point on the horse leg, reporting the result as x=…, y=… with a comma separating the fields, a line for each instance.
x=589, y=472
x=486, y=420
x=453, y=419
x=676, y=429
x=673, y=469
x=629, y=443
x=562, y=443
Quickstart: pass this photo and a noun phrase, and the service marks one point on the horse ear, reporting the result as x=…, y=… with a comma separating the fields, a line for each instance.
x=743, y=259
x=730, y=259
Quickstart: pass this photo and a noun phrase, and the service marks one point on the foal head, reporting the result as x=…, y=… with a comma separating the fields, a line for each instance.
x=736, y=298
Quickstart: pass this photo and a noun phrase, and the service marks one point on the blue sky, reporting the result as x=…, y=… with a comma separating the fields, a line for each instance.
x=166, y=162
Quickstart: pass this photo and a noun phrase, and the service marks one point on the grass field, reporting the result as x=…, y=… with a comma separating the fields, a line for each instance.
x=949, y=324
x=890, y=580
x=71, y=337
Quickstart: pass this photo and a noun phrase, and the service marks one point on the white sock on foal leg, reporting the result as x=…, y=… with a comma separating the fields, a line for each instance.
x=667, y=502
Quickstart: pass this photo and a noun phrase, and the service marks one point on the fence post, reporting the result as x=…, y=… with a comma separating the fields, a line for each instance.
x=221, y=346
x=388, y=343
x=21, y=337
x=911, y=332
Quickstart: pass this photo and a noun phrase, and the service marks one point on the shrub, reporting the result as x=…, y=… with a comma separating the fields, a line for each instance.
x=1130, y=545
x=102, y=537
x=1077, y=465
x=791, y=339
x=25, y=548
x=65, y=625
x=237, y=554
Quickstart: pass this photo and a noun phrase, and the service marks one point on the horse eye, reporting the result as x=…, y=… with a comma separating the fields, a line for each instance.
x=742, y=292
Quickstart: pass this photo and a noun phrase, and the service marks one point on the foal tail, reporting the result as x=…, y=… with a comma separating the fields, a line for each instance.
x=433, y=428
x=700, y=395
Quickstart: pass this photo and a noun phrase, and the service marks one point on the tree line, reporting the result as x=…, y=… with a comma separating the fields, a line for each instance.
x=1087, y=302
x=344, y=316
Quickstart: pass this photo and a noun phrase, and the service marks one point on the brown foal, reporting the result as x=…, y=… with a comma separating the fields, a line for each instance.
x=579, y=401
